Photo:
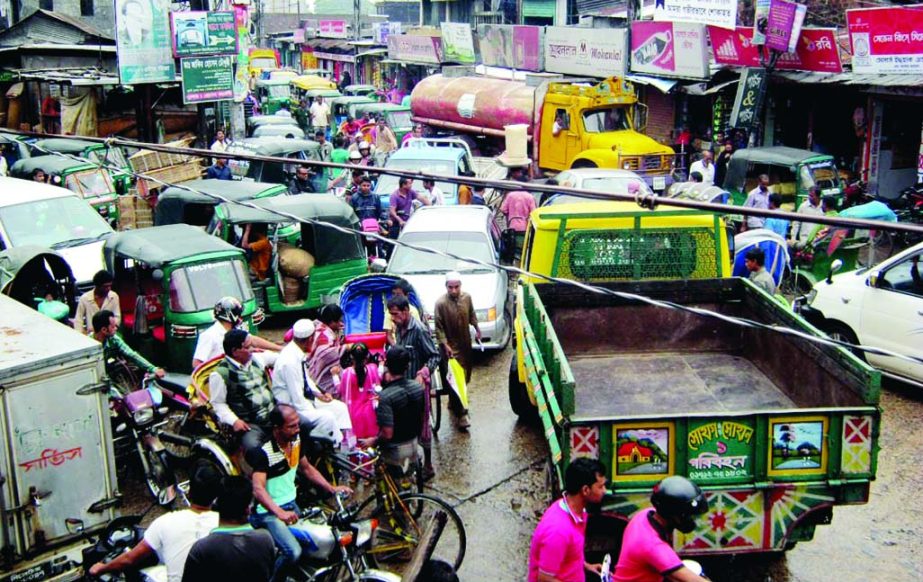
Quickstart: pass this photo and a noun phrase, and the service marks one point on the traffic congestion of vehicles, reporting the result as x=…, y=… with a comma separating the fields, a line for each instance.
x=644, y=334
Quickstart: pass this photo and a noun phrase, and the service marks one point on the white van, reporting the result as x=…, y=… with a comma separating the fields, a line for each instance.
x=48, y=216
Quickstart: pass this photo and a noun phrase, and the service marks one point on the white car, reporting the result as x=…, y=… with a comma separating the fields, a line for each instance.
x=881, y=306
x=466, y=231
x=49, y=216
x=601, y=180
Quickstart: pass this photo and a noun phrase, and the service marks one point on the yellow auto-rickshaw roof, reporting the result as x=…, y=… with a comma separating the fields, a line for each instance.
x=308, y=82
x=583, y=215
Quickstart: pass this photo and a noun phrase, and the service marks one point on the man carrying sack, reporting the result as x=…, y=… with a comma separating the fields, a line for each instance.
x=454, y=314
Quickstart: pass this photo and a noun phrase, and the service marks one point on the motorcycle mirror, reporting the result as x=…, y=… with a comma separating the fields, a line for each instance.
x=834, y=267
x=157, y=274
x=74, y=525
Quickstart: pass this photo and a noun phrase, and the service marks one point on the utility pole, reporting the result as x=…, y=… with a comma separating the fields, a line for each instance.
x=356, y=8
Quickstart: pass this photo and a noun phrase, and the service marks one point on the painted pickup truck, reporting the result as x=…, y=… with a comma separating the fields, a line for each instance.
x=776, y=430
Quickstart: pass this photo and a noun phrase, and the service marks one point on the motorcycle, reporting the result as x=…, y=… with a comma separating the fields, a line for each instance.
x=334, y=546
x=121, y=535
x=372, y=226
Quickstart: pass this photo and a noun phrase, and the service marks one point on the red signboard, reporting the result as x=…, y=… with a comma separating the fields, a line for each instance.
x=817, y=50
x=886, y=40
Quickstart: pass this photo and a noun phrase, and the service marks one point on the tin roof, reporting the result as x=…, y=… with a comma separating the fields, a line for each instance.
x=850, y=78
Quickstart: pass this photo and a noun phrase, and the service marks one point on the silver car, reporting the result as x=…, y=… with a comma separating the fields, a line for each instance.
x=467, y=231
x=599, y=180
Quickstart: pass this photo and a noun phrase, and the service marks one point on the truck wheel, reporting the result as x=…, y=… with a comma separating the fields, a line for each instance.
x=519, y=397
x=583, y=164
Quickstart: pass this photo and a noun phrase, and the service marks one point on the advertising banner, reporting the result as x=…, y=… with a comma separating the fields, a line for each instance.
x=203, y=33
x=715, y=12
x=527, y=47
x=382, y=30
x=593, y=52
x=511, y=47
x=143, y=44
x=242, y=74
x=816, y=50
x=457, y=43
x=886, y=40
x=669, y=49
x=760, y=21
x=749, y=95
x=784, y=24
x=207, y=78
x=415, y=48
x=332, y=28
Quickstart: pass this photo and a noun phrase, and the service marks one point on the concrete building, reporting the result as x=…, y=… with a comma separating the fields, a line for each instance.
x=97, y=13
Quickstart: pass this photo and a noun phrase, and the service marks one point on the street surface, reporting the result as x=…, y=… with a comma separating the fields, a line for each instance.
x=494, y=476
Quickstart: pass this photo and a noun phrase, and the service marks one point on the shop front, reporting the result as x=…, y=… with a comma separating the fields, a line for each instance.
x=411, y=57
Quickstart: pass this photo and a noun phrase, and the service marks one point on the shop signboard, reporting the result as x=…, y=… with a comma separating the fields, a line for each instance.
x=143, y=45
x=415, y=48
x=784, y=25
x=332, y=28
x=886, y=40
x=203, y=33
x=715, y=12
x=669, y=49
x=592, y=52
x=816, y=50
x=760, y=21
x=382, y=30
x=749, y=95
x=207, y=78
x=511, y=47
x=457, y=43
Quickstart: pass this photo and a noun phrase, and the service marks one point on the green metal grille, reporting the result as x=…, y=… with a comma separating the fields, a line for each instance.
x=635, y=254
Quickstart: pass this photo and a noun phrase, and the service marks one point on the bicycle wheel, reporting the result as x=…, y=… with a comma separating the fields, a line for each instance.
x=401, y=524
x=435, y=404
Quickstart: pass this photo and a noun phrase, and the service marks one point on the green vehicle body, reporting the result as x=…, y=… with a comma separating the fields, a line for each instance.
x=396, y=116
x=776, y=430
x=182, y=272
x=361, y=90
x=338, y=256
x=85, y=179
x=272, y=93
x=791, y=173
x=179, y=206
x=99, y=153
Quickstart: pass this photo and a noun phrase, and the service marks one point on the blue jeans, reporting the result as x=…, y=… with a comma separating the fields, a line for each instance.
x=288, y=546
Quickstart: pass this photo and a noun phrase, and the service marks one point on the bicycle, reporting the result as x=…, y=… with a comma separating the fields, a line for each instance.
x=402, y=510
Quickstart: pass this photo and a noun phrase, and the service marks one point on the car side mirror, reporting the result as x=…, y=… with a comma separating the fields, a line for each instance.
x=835, y=266
x=874, y=278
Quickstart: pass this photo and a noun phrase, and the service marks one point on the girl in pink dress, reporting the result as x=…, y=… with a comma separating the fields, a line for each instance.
x=358, y=389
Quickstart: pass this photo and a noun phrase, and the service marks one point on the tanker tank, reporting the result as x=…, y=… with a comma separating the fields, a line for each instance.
x=473, y=104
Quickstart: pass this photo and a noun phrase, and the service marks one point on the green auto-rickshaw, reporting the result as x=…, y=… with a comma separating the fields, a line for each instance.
x=297, y=150
x=308, y=265
x=100, y=153
x=362, y=90
x=272, y=93
x=396, y=116
x=87, y=180
x=791, y=173
x=168, y=279
x=176, y=205
x=339, y=108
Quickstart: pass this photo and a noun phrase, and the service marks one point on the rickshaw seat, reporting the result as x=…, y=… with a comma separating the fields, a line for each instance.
x=376, y=341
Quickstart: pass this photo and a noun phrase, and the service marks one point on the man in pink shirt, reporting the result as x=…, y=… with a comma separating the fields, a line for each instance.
x=517, y=206
x=556, y=553
x=647, y=553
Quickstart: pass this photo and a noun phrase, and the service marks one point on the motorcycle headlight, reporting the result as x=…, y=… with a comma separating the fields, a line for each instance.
x=364, y=531
x=486, y=315
x=143, y=416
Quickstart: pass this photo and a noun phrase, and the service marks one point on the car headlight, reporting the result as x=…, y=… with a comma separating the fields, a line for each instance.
x=486, y=314
x=143, y=416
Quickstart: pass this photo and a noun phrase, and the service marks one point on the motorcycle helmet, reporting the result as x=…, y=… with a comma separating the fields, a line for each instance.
x=355, y=156
x=679, y=501
x=229, y=309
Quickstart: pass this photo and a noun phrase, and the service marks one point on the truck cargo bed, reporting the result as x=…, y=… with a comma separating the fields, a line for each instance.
x=640, y=384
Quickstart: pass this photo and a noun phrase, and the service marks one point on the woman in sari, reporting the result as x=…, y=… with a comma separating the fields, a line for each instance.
x=358, y=387
x=328, y=350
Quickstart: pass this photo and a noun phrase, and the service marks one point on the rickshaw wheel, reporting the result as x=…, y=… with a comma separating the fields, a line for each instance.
x=435, y=407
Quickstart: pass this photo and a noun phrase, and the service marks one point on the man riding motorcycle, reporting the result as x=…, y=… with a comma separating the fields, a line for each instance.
x=228, y=314
x=115, y=350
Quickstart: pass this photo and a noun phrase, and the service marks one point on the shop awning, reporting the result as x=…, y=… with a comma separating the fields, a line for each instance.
x=702, y=89
x=662, y=85
x=850, y=78
x=538, y=8
x=373, y=52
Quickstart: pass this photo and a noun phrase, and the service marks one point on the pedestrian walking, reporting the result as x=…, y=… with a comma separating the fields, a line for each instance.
x=219, y=170
x=100, y=297
x=704, y=166
x=454, y=316
x=556, y=551
x=758, y=198
x=320, y=115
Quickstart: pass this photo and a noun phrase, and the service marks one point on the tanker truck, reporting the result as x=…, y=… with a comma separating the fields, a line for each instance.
x=570, y=123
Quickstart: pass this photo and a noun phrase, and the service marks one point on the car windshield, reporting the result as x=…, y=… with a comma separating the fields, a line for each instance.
x=56, y=223
x=407, y=261
x=612, y=184
x=89, y=183
x=112, y=156
x=821, y=174
x=399, y=119
x=278, y=91
x=609, y=119
x=199, y=287
x=388, y=184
